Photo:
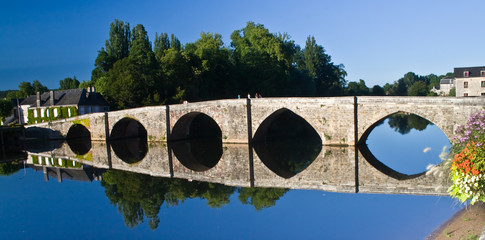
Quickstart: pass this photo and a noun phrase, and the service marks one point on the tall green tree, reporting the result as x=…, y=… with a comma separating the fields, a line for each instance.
x=116, y=48
x=212, y=68
x=329, y=78
x=6, y=108
x=262, y=60
x=38, y=87
x=69, y=83
x=25, y=89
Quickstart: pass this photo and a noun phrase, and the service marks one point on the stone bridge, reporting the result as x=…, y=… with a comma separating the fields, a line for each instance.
x=337, y=120
x=342, y=123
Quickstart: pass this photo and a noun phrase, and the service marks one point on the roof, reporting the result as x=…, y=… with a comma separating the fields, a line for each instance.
x=68, y=97
x=472, y=71
x=447, y=80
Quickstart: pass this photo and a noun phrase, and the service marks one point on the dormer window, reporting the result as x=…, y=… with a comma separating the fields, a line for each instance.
x=465, y=73
x=482, y=73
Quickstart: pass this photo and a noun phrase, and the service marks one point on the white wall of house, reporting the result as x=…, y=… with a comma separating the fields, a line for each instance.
x=470, y=86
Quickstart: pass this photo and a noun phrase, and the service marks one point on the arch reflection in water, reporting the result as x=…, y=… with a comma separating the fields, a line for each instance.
x=79, y=139
x=286, y=143
x=196, y=141
x=403, y=145
x=129, y=140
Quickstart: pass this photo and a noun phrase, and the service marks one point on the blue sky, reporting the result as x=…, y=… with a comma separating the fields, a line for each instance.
x=377, y=41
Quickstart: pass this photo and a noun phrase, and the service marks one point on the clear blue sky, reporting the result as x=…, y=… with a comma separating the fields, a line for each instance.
x=378, y=41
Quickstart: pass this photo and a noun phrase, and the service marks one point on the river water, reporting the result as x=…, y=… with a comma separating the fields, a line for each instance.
x=98, y=203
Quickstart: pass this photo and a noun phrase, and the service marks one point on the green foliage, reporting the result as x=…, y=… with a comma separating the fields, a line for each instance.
x=139, y=196
x=6, y=108
x=25, y=89
x=418, y=88
x=48, y=114
x=468, y=160
x=9, y=168
x=86, y=84
x=69, y=83
x=38, y=87
x=377, y=91
x=404, y=123
x=452, y=92
x=357, y=89
x=56, y=162
x=329, y=78
x=261, y=197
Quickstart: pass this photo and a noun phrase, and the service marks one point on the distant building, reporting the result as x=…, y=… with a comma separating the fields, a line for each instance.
x=446, y=84
x=61, y=104
x=470, y=81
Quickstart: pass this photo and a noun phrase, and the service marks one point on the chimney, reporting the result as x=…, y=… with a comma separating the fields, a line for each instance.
x=38, y=99
x=52, y=98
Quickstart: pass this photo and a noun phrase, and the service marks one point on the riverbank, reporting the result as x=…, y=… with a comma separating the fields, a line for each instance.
x=468, y=223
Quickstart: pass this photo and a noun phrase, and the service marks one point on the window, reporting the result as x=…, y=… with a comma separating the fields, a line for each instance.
x=483, y=93
x=465, y=73
x=465, y=94
x=465, y=84
x=482, y=73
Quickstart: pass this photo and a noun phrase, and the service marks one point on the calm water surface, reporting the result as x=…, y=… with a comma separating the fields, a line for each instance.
x=125, y=205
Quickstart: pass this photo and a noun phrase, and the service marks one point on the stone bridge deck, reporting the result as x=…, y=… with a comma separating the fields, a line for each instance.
x=337, y=120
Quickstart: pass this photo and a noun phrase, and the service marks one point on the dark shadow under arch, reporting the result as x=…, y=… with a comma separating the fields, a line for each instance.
x=129, y=140
x=196, y=141
x=286, y=143
x=79, y=139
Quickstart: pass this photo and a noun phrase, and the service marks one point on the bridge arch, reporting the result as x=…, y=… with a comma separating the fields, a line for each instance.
x=286, y=143
x=127, y=128
x=370, y=114
x=79, y=139
x=196, y=141
x=363, y=137
x=128, y=139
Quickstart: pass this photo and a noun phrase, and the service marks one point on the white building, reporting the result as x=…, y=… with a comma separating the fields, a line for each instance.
x=470, y=81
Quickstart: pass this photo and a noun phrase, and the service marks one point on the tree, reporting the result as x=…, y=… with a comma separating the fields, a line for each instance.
x=38, y=87
x=262, y=60
x=116, y=48
x=6, y=108
x=25, y=89
x=212, y=68
x=9, y=168
x=377, y=91
x=261, y=197
x=329, y=78
x=357, y=89
x=418, y=88
x=69, y=83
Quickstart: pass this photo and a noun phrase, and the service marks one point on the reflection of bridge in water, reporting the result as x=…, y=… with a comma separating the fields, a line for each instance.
x=120, y=140
x=336, y=169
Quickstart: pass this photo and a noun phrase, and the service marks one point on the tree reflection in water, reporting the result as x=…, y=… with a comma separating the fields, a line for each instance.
x=140, y=196
x=404, y=123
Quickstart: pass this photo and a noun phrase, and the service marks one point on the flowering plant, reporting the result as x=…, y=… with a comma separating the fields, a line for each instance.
x=467, y=169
